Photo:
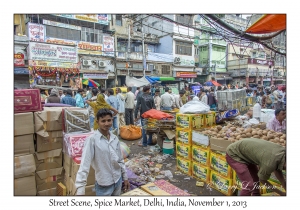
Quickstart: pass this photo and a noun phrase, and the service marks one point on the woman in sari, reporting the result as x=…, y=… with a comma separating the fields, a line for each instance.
x=100, y=103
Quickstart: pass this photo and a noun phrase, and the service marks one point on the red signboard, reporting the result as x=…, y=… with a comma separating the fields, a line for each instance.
x=186, y=74
x=260, y=62
x=19, y=60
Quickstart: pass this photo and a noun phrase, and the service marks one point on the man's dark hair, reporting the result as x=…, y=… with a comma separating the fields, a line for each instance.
x=69, y=92
x=119, y=90
x=80, y=90
x=225, y=88
x=277, y=111
x=202, y=90
x=157, y=91
x=182, y=92
x=262, y=93
x=167, y=89
x=219, y=88
x=129, y=88
x=110, y=91
x=64, y=91
x=146, y=88
x=94, y=91
x=103, y=112
x=103, y=90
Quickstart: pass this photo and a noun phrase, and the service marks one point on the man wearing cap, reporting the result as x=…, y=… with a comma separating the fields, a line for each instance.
x=53, y=98
x=79, y=99
x=167, y=100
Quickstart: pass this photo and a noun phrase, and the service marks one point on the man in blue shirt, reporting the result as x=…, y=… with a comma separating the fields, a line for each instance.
x=79, y=99
x=68, y=99
x=113, y=101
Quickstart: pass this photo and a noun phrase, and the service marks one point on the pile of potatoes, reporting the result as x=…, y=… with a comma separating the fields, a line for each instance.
x=233, y=134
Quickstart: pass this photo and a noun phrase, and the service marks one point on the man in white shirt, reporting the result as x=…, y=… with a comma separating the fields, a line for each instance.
x=178, y=100
x=157, y=99
x=102, y=151
x=121, y=100
x=203, y=96
x=129, y=106
x=104, y=93
x=167, y=100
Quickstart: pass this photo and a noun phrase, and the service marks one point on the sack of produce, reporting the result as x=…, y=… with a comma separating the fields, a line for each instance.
x=130, y=132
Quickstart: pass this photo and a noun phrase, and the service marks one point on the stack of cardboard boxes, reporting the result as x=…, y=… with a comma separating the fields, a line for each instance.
x=24, y=165
x=48, y=156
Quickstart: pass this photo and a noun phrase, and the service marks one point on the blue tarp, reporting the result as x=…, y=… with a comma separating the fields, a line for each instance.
x=21, y=71
x=150, y=80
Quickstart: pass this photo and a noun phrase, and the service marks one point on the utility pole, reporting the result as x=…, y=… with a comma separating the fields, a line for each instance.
x=143, y=46
x=115, y=59
x=128, y=49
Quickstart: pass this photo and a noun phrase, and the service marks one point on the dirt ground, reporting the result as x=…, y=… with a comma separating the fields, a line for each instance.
x=188, y=184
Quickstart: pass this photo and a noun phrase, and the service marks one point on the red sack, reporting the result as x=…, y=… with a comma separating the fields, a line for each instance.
x=156, y=114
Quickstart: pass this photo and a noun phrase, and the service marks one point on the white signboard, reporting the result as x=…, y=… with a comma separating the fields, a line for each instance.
x=108, y=45
x=52, y=52
x=62, y=25
x=95, y=76
x=36, y=32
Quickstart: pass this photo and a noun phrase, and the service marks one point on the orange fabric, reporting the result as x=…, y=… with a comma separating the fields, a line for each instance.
x=268, y=24
x=215, y=83
x=130, y=132
x=156, y=114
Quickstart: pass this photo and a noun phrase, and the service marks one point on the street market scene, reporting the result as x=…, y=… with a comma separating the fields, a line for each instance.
x=150, y=105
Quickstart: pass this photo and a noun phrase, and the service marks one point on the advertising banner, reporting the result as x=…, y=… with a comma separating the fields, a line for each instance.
x=51, y=40
x=186, y=74
x=19, y=60
x=108, y=45
x=95, y=18
x=52, y=52
x=62, y=25
x=95, y=76
x=261, y=62
x=89, y=48
x=36, y=32
x=52, y=64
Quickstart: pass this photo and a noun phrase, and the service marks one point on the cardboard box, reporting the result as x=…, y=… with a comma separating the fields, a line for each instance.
x=200, y=139
x=48, y=179
x=76, y=120
x=67, y=182
x=184, y=136
x=89, y=189
x=23, y=145
x=210, y=119
x=48, y=192
x=236, y=181
x=219, y=144
x=47, y=141
x=184, y=150
x=269, y=190
x=200, y=172
x=25, y=186
x=184, y=165
x=152, y=189
x=220, y=183
x=219, y=164
x=91, y=177
x=201, y=155
x=27, y=100
x=67, y=164
x=23, y=124
x=50, y=119
x=24, y=166
x=48, y=160
x=190, y=121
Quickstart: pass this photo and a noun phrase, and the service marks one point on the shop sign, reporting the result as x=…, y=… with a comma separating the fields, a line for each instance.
x=186, y=74
x=89, y=48
x=52, y=52
x=186, y=61
x=51, y=40
x=260, y=62
x=243, y=72
x=95, y=18
x=108, y=45
x=52, y=64
x=95, y=76
x=19, y=60
x=135, y=73
x=61, y=25
x=36, y=32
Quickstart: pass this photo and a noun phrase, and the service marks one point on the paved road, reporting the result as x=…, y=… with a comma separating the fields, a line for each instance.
x=189, y=185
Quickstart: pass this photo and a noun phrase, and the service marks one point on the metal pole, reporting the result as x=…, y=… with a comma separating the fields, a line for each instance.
x=115, y=60
x=143, y=46
x=128, y=48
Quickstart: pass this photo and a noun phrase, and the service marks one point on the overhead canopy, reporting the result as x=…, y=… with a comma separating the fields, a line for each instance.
x=163, y=78
x=268, y=24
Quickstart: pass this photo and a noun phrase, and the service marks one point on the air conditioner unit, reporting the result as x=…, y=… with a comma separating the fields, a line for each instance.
x=177, y=60
x=102, y=64
x=86, y=62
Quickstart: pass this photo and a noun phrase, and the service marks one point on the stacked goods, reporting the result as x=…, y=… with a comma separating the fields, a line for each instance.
x=27, y=100
x=221, y=183
x=48, y=156
x=76, y=120
x=24, y=164
x=231, y=99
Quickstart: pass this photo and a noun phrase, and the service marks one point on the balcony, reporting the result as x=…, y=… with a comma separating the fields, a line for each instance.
x=160, y=57
x=132, y=55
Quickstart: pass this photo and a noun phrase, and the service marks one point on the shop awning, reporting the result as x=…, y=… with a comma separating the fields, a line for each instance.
x=162, y=78
x=212, y=83
x=268, y=24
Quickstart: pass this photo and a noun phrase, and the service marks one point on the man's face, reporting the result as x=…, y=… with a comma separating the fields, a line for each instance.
x=181, y=95
x=81, y=93
x=156, y=93
x=60, y=92
x=281, y=116
x=105, y=122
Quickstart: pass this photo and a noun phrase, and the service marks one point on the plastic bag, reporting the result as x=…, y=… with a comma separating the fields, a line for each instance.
x=194, y=107
x=156, y=114
x=124, y=149
x=130, y=132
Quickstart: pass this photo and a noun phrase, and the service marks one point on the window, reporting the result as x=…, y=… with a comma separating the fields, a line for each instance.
x=165, y=69
x=91, y=35
x=196, y=51
x=184, y=19
x=119, y=20
x=183, y=48
x=253, y=54
x=62, y=33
